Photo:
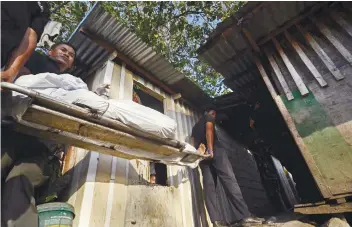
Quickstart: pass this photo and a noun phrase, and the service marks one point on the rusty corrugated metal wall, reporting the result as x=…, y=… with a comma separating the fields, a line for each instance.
x=109, y=191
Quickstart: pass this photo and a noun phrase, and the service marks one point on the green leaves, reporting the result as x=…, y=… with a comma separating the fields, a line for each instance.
x=175, y=29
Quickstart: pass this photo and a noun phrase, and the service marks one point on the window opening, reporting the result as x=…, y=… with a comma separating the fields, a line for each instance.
x=158, y=171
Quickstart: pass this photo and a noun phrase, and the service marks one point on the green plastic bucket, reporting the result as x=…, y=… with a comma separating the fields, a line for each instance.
x=55, y=215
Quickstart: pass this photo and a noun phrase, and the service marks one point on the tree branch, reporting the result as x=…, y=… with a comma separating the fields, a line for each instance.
x=59, y=6
x=186, y=13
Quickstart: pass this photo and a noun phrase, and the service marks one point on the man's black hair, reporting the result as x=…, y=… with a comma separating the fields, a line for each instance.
x=63, y=43
x=209, y=107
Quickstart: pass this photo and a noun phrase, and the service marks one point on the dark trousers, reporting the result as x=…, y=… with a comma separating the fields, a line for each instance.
x=220, y=167
x=25, y=167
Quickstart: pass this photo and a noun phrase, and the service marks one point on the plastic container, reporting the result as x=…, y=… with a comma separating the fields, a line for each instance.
x=55, y=215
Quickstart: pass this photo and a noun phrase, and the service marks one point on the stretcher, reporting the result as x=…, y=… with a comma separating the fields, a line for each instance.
x=52, y=119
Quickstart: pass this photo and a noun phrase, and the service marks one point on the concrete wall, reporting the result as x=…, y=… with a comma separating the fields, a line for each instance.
x=110, y=191
x=323, y=116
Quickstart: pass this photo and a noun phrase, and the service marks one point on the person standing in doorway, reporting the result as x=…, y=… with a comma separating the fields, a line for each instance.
x=219, y=166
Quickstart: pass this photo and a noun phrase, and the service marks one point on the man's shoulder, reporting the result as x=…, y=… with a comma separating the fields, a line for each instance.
x=36, y=58
x=41, y=63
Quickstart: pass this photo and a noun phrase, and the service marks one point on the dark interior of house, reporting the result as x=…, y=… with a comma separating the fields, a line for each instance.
x=271, y=137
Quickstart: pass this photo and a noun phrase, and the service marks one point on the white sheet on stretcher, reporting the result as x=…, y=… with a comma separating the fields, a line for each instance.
x=68, y=88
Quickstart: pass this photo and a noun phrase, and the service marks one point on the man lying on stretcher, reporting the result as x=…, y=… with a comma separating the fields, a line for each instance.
x=27, y=163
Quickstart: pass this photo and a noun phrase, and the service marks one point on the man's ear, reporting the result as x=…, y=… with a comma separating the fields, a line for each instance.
x=50, y=52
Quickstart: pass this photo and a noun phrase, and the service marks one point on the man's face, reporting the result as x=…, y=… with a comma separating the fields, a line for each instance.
x=212, y=113
x=63, y=55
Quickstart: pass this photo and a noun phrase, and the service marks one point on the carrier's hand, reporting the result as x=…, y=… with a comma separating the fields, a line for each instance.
x=210, y=153
x=8, y=75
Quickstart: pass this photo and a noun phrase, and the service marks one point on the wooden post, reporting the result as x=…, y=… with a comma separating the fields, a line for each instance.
x=341, y=21
x=298, y=80
x=250, y=39
x=335, y=42
x=306, y=60
x=321, y=53
x=279, y=76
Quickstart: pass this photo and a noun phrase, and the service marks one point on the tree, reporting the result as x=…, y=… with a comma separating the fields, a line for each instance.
x=69, y=14
x=174, y=29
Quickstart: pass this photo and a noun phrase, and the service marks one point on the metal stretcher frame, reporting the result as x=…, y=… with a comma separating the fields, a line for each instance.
x=52, y=119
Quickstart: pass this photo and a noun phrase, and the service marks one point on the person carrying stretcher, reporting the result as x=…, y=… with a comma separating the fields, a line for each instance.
x=27, y=163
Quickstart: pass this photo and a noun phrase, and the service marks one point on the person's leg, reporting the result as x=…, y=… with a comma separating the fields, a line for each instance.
x=228, y=180
x=18, y=204
x=14, y=146
x=209, y=180
x=8, y=151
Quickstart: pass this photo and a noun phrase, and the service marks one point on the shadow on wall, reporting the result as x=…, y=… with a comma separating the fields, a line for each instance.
x=78, y=174
x=198, y=205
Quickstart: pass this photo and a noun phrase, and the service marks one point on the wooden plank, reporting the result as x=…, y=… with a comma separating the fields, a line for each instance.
x=324, y=190
x=250, y=39
x=298, y=80
x=69, y=138
x=52, y=119
x=279, y=76
x=341, y=21
x=325, y=209
x=341, y=200
x=341, y=196
x=334, y=41
x=149, y=91
x=306, y=60
x=321, y=53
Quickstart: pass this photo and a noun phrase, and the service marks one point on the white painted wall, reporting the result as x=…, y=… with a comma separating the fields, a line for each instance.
x=110, y=191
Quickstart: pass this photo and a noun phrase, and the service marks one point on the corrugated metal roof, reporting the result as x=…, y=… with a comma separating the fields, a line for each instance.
x=102, y=24
x=227, y=50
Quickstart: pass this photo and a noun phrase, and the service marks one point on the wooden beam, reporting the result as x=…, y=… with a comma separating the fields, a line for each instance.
x=290, y=23
x=324, y=190
x=334, y=41
x=341, y=200
x=127, y=61
x=341, y=21
x=176, y=96
x=306, y=60
x=297, y=78
x=279, y=76
x=249, y=37
x=324, y=208
x=321, y=53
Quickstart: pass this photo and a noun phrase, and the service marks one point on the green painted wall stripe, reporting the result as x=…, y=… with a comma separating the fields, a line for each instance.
x=331, y=153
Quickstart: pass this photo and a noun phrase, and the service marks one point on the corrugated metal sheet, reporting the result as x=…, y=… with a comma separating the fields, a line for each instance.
x=226, y=49
x=91, y=56
x=105, y=26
